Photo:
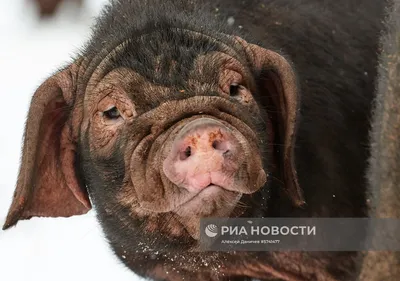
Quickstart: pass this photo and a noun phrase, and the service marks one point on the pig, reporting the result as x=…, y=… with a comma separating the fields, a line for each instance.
x=179, y=110
x=384, y=163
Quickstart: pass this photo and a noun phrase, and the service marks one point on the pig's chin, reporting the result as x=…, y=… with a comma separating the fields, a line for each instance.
x=214, y=201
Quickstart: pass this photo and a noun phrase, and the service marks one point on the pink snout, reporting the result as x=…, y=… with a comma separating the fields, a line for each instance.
x=203, y=154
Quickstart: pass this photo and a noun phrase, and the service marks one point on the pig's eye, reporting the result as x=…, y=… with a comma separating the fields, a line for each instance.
x=234, y=89
x=112, y=113
x=239, y=93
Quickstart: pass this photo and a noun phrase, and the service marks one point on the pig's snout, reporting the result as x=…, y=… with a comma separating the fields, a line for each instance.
x=204, y=141
x=204, y=153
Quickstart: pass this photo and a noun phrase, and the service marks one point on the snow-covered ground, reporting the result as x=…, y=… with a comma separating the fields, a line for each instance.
x=43, y=249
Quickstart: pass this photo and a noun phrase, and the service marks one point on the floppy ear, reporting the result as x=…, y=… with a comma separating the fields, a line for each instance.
x=47, y=184
x=279, y=81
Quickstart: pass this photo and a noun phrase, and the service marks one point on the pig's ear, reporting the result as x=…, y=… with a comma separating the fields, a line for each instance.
x=47, y=184
x=278, y=80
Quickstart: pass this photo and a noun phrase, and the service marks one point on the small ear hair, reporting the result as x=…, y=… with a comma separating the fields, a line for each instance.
x=280, y=82
x=47, y=184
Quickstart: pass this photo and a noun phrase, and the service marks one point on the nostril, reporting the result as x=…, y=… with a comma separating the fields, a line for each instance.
x=185, y=154
x=215, y=144
x=188, y=151
x=222, y=146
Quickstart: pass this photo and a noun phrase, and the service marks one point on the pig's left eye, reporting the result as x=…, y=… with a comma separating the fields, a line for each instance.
x=112, y=113
x=234, y=89
x=238, y=91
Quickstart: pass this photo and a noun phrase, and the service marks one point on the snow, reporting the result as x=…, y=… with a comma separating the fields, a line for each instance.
x=43, y=249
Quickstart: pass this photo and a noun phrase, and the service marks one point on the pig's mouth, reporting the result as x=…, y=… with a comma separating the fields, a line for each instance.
x=195, y=205
x=213, y=201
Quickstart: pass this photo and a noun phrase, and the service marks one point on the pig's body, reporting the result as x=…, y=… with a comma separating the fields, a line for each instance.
x=166, y=64
x=333, y=46
x=384, y=169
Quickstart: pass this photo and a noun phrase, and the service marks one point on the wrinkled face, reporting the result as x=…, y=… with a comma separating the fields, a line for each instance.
x=171, y=133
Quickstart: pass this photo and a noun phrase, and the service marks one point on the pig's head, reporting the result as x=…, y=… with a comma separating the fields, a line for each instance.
x=157, y=132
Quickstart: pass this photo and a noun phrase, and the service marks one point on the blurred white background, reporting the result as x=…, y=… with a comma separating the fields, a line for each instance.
x=30, y=50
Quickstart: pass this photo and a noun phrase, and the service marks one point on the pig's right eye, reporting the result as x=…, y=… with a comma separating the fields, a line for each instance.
x=112, y=113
